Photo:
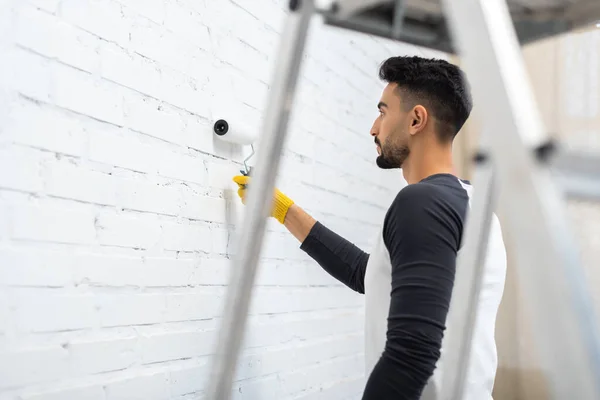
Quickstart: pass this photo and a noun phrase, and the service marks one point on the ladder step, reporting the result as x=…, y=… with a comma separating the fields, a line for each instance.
x=424, y=23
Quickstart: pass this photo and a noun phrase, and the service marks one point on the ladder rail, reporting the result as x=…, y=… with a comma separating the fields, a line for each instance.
x=545, y=252
x=470, y=271
x=259, y=199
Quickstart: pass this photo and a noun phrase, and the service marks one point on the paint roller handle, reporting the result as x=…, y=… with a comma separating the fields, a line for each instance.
x=281, y=203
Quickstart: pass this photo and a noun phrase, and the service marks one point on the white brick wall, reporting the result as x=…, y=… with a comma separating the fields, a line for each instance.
x=117, y=209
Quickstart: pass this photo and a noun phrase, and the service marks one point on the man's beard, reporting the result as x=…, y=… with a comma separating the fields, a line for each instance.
x=392, y=156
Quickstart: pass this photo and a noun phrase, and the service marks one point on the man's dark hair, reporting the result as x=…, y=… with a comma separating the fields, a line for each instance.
x=436, y=84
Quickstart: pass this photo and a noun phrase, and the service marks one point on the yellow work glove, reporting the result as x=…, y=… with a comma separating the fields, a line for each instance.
x=281, y=203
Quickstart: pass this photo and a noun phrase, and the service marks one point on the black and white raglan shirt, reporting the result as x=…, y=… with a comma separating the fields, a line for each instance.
x=407, y=280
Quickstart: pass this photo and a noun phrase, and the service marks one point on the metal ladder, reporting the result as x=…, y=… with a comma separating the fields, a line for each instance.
x=516, y=169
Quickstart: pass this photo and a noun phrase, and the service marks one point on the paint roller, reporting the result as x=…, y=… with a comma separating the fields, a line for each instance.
x=224, y=131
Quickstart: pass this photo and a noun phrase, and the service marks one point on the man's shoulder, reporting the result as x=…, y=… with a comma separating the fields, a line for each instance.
x=435, y=190
x=412, y=200
x=439, y=200
x=419, y=190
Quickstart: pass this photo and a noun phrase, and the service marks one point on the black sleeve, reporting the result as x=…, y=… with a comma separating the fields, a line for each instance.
x=339, y=257
x=421, y=232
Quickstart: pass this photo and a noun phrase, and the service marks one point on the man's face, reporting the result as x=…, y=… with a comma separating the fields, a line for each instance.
x=390, y=130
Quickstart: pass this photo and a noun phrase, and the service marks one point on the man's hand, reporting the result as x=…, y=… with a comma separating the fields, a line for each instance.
x=281, y=203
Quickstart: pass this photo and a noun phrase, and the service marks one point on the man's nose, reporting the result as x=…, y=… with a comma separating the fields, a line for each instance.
x=374, y=129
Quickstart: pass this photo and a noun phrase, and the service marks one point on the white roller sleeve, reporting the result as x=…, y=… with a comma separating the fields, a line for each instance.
x=230, y=131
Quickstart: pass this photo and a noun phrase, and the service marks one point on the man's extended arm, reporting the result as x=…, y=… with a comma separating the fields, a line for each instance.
x=422, y=235
x=336, y=255
x=299, y=222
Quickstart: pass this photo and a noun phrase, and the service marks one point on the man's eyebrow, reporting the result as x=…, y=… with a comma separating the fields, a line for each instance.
x=381, y=104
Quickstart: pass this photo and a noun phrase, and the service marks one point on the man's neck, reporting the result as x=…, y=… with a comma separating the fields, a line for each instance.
x=418, y=167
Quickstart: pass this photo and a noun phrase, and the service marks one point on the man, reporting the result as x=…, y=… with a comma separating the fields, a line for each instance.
x=408, y=277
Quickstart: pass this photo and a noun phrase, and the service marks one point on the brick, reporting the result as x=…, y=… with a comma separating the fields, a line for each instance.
x=48, y=5
x=156, y=43
x=176, y=346
x=102, y=18
x=273, y=16
x=322, y=325
x=333, y=180
x=130, y=70
x=282, y=273
x=153, y=118
x=295, y=171
x=220, y=85
x=111, y=146
x=200, y=207
x=189, y=307
x=348, y=388
x=101, y=356
x=231, y=49
x=164, y=272
x=322, y=153
x=25, y=167
x=328, y=349
x=261, y=37
x=147, y=195
x=32, y=366
x=154, y=10
x=130, y=309
x=143, y=387
x=187, y=24
x=49, y=129
x=298, y=355
x=67, y=179
x=221, y=241
x=56, y=39
x=120, y=270
x=4, y=223
x=186, y=236
x=187, y=168
x=256, y=387
x=83, y=392
x=281, y=246
x=180, y=59
x=127, y=230
x=80, y=92
x=29, y=74
x=5, y=323
x=336, y=370
x=271, y=300
x=186, y=93
x=53, y=223
x=301, y=142
x=107, y=269
x=24, y=266
x=46, y=311
x=249, y=91
x=313, y=122
x=189, y=380
x=211, y=271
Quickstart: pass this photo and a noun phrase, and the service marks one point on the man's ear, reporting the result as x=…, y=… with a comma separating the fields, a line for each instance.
x=418, y=119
